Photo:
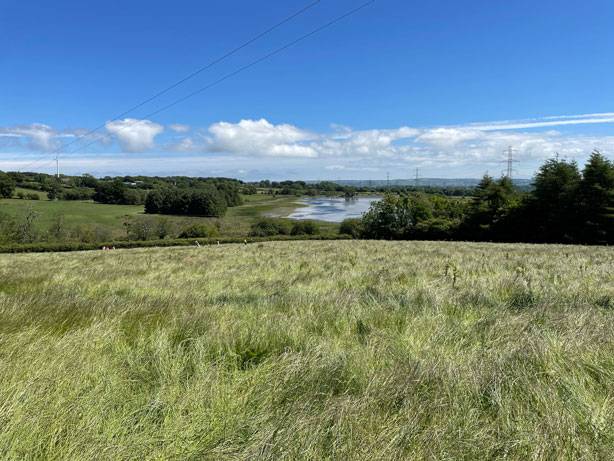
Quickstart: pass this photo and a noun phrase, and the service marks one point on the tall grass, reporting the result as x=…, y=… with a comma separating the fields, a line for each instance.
x=309, y=350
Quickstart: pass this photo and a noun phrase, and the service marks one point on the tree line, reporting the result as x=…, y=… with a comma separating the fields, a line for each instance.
x=565, y=205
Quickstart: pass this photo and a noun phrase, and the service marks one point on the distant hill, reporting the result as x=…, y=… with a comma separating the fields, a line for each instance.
x=433, y=182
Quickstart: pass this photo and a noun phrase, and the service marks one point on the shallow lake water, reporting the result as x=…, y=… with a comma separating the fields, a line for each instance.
x=332, y=209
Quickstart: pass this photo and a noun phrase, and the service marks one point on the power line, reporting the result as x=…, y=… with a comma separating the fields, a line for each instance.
x=250, y=65
x=188, y=77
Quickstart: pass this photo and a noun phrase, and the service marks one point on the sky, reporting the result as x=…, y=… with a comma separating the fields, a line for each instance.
x=443, y=86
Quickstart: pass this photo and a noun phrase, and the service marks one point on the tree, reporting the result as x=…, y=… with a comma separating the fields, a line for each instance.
x=491, y=203
x=25, y=230
x=207, y=201
x=7, y=186
x=554, y=201
x=86, y=180
x=596, y=199
x=389, y=218
x=116, y=192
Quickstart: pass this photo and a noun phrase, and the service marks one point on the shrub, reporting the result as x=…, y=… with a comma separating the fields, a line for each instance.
x=198, y=230
x=305, y=228
x=33, y=196
x=351, y=226
x=164, y=228
x=57, y=229
x=76, y=194
x=86, y=233
x=269, y=226
x=141, y=228
x=26, y=231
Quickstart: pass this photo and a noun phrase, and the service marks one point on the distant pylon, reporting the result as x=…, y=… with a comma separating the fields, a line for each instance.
x=388, y=181
x=57, y=165
x=510, y=162
x=417, y=177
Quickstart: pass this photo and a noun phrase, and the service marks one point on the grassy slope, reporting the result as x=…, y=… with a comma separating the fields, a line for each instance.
x=319, y=350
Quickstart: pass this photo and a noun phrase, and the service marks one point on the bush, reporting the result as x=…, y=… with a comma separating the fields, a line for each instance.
x=33, y=196
x=198, y=231
x=351, y=226
x=57, y=229
x=77, y=194
x=305, y=228
x=26, y=230
x=269, y=226
x=141, y=228
x=164, y=228
x=86, y=233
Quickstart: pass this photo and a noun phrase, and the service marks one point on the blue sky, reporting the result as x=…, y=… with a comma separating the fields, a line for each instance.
x=438, y=85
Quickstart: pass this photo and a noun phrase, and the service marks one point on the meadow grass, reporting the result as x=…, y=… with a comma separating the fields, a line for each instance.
x=309, y=350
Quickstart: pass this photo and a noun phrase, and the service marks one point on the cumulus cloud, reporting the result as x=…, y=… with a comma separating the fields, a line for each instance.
x=260, y=137
x=134, y=135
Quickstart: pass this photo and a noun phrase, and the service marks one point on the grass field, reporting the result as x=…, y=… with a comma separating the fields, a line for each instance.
x=318, y=350
x=75, y=213
x=111, y=218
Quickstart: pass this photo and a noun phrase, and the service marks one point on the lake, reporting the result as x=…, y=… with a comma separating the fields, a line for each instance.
x=332, y=209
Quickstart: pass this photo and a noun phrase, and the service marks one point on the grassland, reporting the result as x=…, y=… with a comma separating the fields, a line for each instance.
x=309, y=350
x=75, y=213
x=111, y=218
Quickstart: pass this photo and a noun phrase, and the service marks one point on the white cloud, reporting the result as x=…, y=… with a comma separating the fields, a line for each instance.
x=179, y=128
x=261, y=138
x=562, y=120
x=135, y=135
x=35, y=136
x=473, y=144
x=451, y=150
x=449, y=137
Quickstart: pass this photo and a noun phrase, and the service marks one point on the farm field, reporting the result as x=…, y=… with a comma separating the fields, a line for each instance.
x=309, y=350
